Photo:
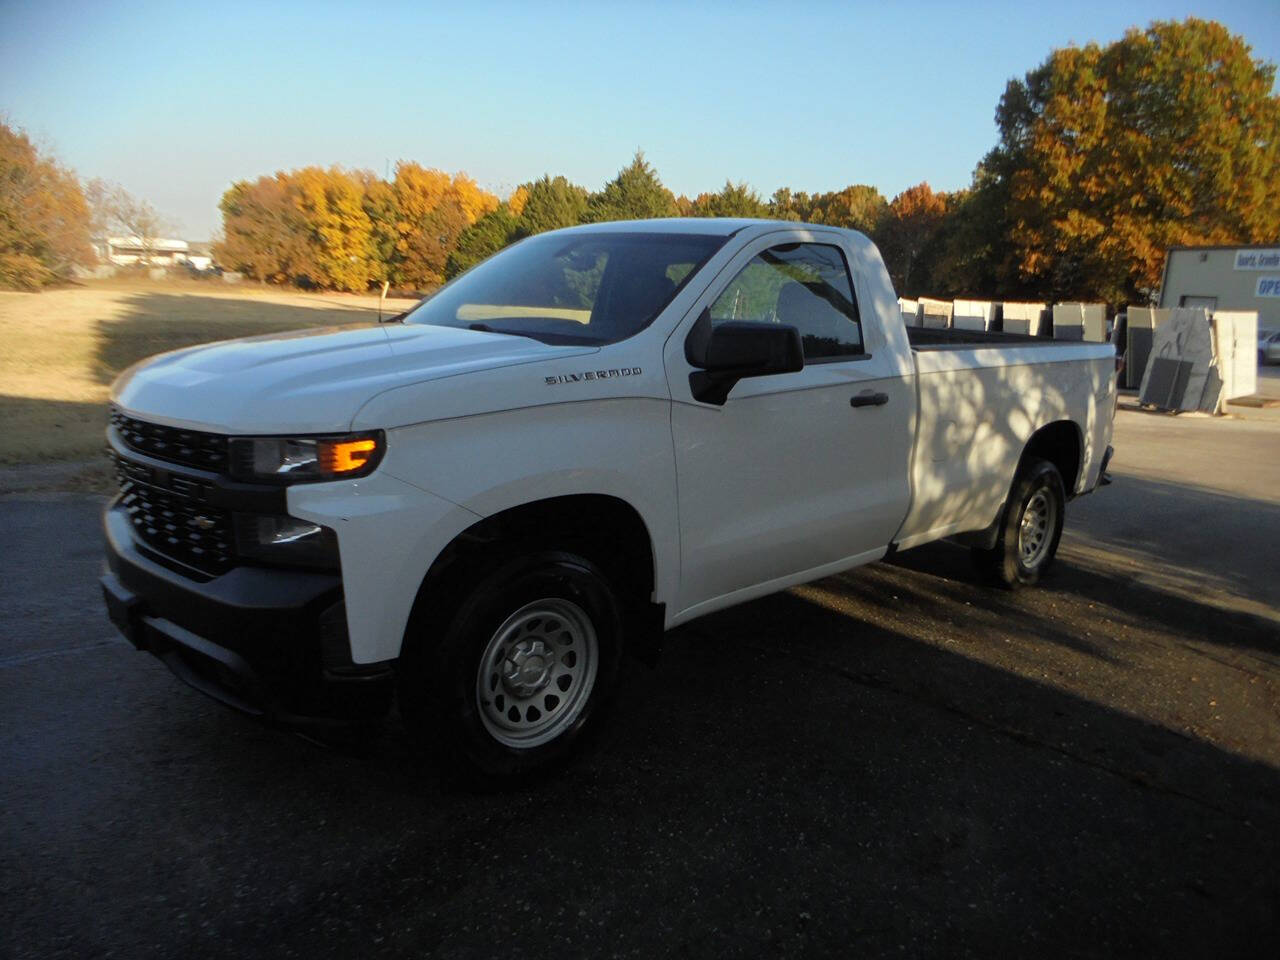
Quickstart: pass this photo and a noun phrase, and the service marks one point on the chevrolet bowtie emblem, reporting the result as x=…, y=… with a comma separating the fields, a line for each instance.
x=204, y=523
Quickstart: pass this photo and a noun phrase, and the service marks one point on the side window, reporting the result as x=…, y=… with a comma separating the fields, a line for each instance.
x=805, y=285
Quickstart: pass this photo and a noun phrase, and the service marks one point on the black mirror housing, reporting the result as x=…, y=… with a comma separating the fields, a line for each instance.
x=729, y=352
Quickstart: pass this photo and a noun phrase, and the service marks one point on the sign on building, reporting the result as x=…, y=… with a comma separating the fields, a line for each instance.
x=1268, y=287
x=1258, y=259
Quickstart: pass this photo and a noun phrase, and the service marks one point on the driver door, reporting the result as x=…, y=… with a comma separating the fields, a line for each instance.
x=795, y=471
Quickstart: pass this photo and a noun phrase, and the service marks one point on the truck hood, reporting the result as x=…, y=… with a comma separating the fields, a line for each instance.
x=309, y=381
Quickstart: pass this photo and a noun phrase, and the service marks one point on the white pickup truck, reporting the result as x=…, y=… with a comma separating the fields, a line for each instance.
x=592, y=437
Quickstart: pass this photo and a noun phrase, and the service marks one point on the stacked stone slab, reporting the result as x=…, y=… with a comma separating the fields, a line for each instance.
x=935, y=314
x=1181, y=362
x=1068, y=321
x=974, y=315
x=1139, y=335
x=910, y=311
x=1024, y=318
x=1200, y=360
x=1235, y=353
x=1080, y=321
x=1095, y=322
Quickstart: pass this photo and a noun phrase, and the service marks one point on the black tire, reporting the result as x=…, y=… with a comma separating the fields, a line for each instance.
x=440, y=675
x=1006, y=563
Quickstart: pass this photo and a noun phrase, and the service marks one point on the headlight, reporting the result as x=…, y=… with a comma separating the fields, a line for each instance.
x=306, y=459
x=285, y=540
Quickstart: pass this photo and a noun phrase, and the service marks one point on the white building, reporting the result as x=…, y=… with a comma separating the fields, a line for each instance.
x=1225, y=278
x=126, y=251
x=200, y=256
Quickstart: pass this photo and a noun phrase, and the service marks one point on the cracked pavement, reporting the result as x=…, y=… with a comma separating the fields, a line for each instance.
x=896, y=760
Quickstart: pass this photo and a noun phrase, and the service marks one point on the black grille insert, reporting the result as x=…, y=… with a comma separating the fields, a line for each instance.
x=176, y=524
x=192, y=448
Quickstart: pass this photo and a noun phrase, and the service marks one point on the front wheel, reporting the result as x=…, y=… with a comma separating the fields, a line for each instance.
x=520, y=671
x=1030, y=528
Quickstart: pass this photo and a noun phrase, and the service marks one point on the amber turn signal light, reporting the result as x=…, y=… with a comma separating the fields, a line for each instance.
x=345, y=456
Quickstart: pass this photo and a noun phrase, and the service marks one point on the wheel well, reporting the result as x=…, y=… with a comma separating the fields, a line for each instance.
x=1059, y=443
x=604, y=529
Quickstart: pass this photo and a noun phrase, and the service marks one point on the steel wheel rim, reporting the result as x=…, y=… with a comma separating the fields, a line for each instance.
x=537, y=673
x=1035, y=532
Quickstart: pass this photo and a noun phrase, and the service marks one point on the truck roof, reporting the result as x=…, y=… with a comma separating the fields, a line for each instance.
x=705, y=226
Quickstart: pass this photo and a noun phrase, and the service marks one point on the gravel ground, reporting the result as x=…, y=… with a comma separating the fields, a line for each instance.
x=895, y=761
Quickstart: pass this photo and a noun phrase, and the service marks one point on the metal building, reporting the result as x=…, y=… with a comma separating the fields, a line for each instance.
x=1225, y=278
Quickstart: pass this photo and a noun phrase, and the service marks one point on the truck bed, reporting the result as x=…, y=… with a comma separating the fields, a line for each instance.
x=980, y=395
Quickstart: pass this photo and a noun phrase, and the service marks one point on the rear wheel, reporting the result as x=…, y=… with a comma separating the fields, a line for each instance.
x=519, y=673
x=1030, y=528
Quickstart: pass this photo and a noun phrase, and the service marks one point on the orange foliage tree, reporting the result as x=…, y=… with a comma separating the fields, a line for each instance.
x=44, y=220
x=432, y=211
x=908, y=232
x=342, y=230
x=1110, y=155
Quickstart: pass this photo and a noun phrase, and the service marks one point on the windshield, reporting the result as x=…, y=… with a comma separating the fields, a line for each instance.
x=589, y=288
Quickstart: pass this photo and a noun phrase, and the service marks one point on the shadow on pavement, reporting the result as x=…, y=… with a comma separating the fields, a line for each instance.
x=896, y=761
x=791, y=779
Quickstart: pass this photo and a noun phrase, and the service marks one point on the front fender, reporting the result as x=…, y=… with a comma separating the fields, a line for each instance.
x=490, y=463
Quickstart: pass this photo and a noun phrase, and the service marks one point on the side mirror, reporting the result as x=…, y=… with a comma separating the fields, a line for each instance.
x=729, y=352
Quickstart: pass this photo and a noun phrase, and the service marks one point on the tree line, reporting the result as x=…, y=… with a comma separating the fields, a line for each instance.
x=48, y=217
x=1106, y=157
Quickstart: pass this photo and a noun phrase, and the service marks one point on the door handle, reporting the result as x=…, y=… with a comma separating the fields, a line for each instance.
x=869, y=399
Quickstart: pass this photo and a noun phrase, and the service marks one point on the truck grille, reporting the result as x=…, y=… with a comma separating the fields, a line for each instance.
x=175, y=522
x=192, y=448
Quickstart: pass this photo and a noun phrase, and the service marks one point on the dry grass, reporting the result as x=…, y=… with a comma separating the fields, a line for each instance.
x=60, y=350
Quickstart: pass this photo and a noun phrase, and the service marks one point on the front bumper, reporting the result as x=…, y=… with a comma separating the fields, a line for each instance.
x=268, y=642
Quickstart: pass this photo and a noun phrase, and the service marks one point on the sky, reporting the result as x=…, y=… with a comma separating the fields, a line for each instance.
x=177, y=101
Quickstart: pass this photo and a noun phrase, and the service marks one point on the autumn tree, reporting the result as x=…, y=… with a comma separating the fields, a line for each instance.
x=44, y=220
x=115, y=211
x=265, y=234
x=1110, y=155
x=635, y=193
x=550, y=203
x=379, y=202
x=432, y=211
x=519, y=197
x=788, y=205
x=733, y=200
x=856, y=207
x=338, y=229
x=909, y=230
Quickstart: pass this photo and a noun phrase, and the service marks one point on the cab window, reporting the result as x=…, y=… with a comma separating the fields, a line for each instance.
x=806, y=285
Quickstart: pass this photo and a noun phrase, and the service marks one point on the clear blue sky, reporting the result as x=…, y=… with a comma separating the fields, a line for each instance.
x=177, y=100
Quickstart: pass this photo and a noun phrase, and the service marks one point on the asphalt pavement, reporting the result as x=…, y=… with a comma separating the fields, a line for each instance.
x=897, y=761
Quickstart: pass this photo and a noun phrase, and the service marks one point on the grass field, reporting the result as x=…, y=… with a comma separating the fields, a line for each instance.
x=60, y=350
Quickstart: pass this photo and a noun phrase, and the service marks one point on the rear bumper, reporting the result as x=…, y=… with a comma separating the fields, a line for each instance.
x=271, y=643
